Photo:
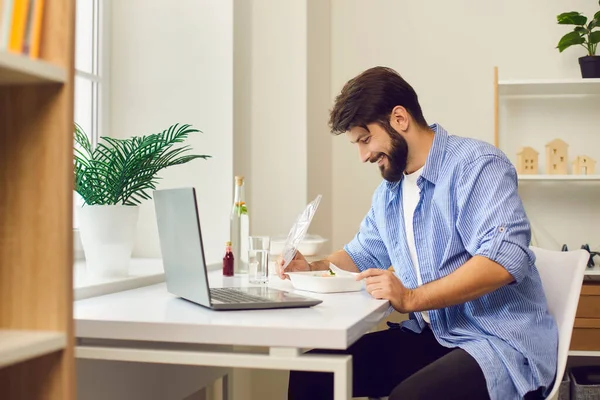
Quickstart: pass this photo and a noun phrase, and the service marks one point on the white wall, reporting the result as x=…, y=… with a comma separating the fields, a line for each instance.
x=173, y=63
x=270, y=110
x=447, y=51
x=319, y=138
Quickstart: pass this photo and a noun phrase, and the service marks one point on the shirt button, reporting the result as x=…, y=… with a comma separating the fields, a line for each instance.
x=501, y=229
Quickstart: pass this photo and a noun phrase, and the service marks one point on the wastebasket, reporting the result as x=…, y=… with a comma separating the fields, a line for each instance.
x=585, y=383
x=564, y=390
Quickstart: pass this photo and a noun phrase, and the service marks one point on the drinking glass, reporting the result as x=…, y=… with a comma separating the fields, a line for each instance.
x=258, y=259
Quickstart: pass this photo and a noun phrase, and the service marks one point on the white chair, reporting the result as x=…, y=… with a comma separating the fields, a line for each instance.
x=562, y=276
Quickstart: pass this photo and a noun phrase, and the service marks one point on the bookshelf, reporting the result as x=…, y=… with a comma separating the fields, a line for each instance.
x=36, y=246
x=17, y=69
x=17, y=345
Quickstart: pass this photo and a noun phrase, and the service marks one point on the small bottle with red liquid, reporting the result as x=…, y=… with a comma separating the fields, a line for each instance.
x=228, y=260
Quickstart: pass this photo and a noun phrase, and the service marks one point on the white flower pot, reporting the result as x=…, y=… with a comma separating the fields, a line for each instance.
x=107, y=234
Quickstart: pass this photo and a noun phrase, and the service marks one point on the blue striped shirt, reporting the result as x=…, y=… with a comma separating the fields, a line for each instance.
x=469, y=205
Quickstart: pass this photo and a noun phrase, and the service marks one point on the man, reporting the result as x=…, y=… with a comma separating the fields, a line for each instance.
x=449, y=220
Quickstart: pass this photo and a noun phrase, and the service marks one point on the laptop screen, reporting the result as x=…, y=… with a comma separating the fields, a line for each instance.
x=181, y=244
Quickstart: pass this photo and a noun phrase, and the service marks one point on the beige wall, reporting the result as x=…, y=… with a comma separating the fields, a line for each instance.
x=270, y=110
x=281, y=99
x=319, y=140
x=447, y=51
x=174, y=64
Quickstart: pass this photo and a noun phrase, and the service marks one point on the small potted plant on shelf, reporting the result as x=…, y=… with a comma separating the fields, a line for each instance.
x=585, y=34
x=113, y=179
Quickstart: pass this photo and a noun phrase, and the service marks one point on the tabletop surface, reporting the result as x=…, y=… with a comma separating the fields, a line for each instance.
x=152, y=314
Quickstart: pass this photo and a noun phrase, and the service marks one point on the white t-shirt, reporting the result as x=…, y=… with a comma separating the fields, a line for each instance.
x=410, y=199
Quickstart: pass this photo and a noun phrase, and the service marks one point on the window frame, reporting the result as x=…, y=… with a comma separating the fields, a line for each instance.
x=100, y=77
x=100, y=74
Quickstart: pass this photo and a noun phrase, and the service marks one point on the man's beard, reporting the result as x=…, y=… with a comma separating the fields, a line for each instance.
x=397, y=157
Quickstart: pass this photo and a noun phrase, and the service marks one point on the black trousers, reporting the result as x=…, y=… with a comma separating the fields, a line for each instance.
x=402, y=365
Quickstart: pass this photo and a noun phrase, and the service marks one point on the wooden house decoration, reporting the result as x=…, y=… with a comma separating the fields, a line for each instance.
x=527, y=161
x=584, y=165
x=556, y=157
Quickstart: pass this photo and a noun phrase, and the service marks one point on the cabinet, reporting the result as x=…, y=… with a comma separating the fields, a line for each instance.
x=36, y=246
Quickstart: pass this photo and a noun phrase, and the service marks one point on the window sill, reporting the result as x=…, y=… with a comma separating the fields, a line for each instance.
x=142, y=272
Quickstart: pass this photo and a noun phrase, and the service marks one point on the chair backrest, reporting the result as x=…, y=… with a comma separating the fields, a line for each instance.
x=562, y=276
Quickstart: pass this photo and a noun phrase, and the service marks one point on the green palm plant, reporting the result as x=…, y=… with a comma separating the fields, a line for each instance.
x=122, y=171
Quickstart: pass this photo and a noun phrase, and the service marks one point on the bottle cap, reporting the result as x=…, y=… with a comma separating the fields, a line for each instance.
x=239, y=180
x=227, y=243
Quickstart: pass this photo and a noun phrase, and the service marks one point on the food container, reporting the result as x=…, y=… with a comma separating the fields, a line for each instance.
x=324, y=282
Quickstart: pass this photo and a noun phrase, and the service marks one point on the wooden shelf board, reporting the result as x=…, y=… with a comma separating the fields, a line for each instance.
x=21, y=345
x=584, y=353
x=16, y=69
x=542, y=177
x=549, y=87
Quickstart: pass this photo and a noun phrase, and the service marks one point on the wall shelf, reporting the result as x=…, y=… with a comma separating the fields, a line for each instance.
x=543, y=177
x=16, y=69
x=549, y=87
x=17, y=346
x=595, y=270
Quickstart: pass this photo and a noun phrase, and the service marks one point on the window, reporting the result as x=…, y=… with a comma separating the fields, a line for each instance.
x=91, y=71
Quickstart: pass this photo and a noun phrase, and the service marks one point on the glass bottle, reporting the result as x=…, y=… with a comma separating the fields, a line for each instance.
x=239, y=228
x=228, y=260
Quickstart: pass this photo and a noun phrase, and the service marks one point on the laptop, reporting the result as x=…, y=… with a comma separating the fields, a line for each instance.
x=185, y=266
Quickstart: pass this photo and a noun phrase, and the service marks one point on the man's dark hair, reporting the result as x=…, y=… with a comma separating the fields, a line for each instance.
x=370, y=98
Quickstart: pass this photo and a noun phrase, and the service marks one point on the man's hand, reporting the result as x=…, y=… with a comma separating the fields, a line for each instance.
x=298, y=264
x=340, y=258
x=384, y=284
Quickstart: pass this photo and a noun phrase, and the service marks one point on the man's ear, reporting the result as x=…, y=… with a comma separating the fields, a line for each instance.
x=400, y=119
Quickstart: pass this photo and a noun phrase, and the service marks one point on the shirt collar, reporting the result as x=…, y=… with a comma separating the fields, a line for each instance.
x=434, y=159
x=436, y=154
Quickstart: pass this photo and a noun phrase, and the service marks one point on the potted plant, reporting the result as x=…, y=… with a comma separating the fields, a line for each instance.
x=113, y=179
x=583, y=34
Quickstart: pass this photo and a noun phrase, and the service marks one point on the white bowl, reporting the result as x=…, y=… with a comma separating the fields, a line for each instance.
x=322, y=282
x=310, y=246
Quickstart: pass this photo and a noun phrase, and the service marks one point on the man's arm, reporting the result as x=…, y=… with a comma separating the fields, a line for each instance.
x=475, y=278
x=340, y=259
x=366, y=250
x=493, y=226
x=494, y=229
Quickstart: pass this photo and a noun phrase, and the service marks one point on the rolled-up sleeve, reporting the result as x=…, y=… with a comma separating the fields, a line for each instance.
x=367, y=249
x=491, y=219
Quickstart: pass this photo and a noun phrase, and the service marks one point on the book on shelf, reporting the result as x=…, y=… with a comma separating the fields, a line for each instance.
x=21, y=26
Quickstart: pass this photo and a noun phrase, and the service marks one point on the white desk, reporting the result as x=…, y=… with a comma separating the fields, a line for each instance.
x=142, y=272
x=150, y=325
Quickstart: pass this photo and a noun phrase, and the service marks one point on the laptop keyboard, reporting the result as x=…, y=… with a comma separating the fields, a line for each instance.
x=232, y=296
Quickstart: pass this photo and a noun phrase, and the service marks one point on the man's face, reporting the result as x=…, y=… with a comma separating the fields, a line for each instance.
x=388, y=149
